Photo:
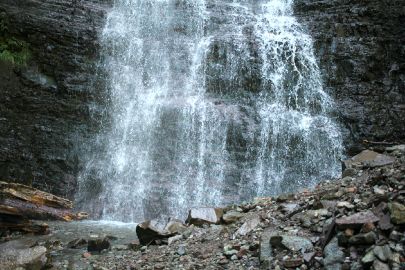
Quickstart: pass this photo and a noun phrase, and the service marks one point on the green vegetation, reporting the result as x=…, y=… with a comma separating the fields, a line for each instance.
x=12, y=49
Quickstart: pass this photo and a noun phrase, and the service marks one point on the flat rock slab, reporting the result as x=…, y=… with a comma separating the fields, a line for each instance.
x=205, y=215
x=368, y=158
x=356, y=220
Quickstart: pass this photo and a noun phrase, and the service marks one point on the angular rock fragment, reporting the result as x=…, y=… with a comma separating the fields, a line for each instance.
x=157, y=229
x=232, y=216
x=249, y=226
x=292, y=243
x=356, y=220
x=205, y=215
x=369, y=159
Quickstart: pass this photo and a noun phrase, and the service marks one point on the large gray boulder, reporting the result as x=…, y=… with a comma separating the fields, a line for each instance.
x=205, y=215
x=150, y=231
x=20, y=253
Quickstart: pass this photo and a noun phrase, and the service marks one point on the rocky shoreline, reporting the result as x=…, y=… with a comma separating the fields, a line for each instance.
x=356, y=222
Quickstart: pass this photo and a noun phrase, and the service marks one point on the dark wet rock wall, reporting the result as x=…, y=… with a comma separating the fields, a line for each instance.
x=360, y=46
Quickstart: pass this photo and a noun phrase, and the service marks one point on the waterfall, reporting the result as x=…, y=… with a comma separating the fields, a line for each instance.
x=210, y=102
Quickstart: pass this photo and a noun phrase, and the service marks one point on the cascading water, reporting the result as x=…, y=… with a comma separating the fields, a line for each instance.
x=211, y=102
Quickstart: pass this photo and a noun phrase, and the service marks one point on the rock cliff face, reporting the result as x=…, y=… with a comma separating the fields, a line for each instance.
x=360, y=45
x=47, y=107
x=45, y=103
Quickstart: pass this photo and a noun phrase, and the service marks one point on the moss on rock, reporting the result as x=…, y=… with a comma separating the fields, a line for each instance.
x=12, y=49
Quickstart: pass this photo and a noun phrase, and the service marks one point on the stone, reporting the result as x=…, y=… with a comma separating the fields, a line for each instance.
x=205, y=215
x=396, y=236
x=232, y=216
x=345, y=205
x=368, y=158
x=379, y=191
x=152, y=231
x=17, y=254
x=368, y=258
x=350, y=172
x=367, y=227
x=265, y=250
x=285, y=197
x=356, y=220
x=174, y=239
x=400, y=148
x=292, y=243
x=249, y=226
x=120, y=247
x=77, y=243
x=292, y=263
x=86, y=255
x=397, y=211
x=333, y=255
x=134, y=245
x=363, y=239
x=181, y=250
x=289, y=208
x=98, y=244
x=82, y=215
x=308, y=257
x=378, y=265
x=383, y=253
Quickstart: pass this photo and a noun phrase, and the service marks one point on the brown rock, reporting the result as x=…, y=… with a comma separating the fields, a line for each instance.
x=356, y=220
x=86, y=255
x=367, y=227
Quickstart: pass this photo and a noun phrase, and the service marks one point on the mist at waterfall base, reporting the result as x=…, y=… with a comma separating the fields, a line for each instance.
x=210, y=103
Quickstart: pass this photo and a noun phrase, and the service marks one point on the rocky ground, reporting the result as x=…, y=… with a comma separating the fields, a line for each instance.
x=356, y=222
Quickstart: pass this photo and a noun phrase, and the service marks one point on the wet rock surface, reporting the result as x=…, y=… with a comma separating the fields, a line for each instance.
x=45, y=103
x=340, y=224
x=359, y=47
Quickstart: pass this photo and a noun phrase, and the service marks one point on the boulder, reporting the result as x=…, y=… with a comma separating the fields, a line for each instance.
x=150, y=231
x=19, y=254
x=368, y=158
x=356, y=220
x=205, y=215
x=98, y=244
